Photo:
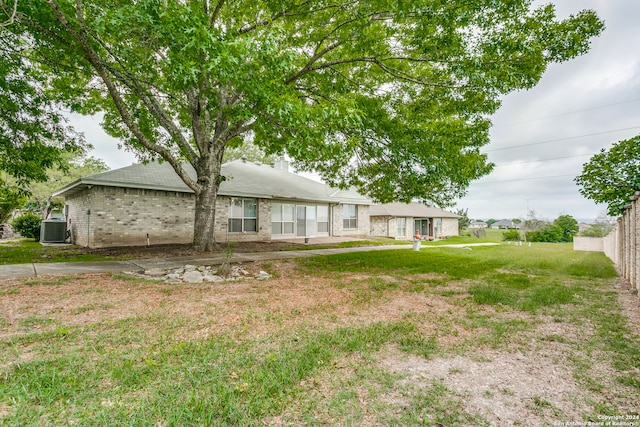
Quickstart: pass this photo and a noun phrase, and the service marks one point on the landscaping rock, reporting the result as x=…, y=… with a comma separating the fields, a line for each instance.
x=263, y=275
x=155, y=272
x=204, y=273
x=192, y=276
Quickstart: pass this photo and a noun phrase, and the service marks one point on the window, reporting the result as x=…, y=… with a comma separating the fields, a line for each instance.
x=282, y=218
x=402, y=227
x=243, y=215
x=438, y=224
x=349, y=217
x=323, y=219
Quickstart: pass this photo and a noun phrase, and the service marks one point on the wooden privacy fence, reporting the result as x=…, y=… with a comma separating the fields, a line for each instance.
x=622, y=245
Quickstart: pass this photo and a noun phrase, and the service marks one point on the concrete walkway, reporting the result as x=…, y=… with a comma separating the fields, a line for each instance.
x=22, y=271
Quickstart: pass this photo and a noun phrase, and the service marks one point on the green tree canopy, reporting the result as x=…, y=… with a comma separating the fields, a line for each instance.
x=33, y=134
x=36, y=195
x=73, y=168
x=10, y=200
x=391, y=97
x=562, y=229
x=248, y=150
x=612, y=176
x=568, y=225
x=463, y=222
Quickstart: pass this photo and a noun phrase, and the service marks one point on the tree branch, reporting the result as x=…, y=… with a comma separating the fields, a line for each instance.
x=216, y=12
x=95, y=61
x=285, y=13
x=141, y=89
x=12, y=15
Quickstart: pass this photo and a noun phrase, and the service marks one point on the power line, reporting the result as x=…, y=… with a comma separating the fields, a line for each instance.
x=578, y=111
x=524, y=179
x=562, y=139
x=545, y=160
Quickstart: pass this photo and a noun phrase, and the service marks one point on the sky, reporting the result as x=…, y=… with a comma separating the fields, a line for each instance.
x=541, y=137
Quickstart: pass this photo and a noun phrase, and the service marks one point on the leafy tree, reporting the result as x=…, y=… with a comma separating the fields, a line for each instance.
x=547, y=233
x=248, y=150
x=490, y=222
x=10, y=200
x=568, y=225
x=562, y=229
x=33, y=134
x=392, y=97
x=73, y=168
x=463, y=222
x=612, y=176
x=36, y=196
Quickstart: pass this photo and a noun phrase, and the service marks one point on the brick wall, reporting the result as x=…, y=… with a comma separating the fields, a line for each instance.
x=112, y=216
x=382, y=226
x=362, y=212
x=450, y=227
x=222, y=218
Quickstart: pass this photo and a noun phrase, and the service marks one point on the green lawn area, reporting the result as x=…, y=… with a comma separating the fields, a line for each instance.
x=331, y=340
x=23, y=251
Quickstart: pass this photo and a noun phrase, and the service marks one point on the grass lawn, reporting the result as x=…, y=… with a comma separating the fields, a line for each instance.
x=500, y=335
x=24, y=251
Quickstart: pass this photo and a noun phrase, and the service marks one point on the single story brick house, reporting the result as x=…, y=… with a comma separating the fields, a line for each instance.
x=401, y=220
x=149, y=204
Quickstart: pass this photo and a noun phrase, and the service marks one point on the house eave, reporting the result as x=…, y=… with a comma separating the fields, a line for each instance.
x=83, y=184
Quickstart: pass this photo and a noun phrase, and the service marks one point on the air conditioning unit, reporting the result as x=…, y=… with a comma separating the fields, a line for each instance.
x=53, y=231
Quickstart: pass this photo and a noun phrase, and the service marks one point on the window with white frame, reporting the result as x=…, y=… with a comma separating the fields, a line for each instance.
x=243, y=215
x=323, y=218
x=282, y=218
x=349, y=217
x=401, y=224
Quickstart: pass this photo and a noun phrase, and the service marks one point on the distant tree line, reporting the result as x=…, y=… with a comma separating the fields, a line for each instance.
x=536, y=229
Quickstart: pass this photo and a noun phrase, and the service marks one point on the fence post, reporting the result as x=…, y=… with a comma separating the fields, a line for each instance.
x=635, y=259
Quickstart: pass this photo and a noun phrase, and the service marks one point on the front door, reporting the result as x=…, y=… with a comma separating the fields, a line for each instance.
x=422, y=225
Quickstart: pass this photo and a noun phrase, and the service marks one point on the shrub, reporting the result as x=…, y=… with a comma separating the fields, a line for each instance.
x=28, y=225
x=512, y=235
x=549, y=233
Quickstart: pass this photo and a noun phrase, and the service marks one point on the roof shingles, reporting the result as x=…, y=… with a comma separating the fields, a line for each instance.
x=242, y=178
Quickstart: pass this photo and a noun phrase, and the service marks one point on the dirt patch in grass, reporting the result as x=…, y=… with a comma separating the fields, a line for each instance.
x=506, y=388
x=532, y=384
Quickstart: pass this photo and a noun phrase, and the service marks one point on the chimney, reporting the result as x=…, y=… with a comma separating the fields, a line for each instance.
x=281, y=164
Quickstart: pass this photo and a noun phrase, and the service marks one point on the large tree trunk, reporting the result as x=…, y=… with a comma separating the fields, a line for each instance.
x=204, y=239
x=208, y=171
